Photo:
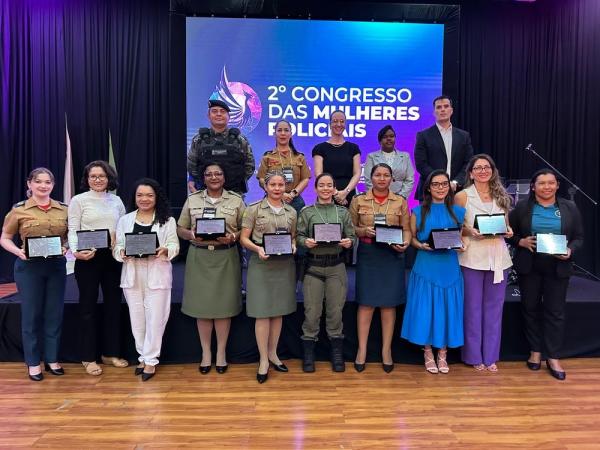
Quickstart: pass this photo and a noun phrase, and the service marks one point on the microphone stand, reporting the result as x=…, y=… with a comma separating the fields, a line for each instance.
x=572, y=190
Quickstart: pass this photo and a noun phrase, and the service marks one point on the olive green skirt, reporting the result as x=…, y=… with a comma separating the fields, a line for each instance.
x=271, y=286
x=213, y=283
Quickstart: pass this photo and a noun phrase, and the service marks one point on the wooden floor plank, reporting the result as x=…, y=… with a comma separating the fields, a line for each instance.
x=408, y=408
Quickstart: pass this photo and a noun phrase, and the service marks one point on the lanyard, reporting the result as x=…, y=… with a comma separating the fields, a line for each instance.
x=275, y=215
x=337, y=216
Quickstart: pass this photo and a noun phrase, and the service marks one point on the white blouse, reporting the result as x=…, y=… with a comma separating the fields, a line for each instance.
x=490, y=253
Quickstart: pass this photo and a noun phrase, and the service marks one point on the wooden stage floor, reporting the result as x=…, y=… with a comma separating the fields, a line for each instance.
x=408, y=408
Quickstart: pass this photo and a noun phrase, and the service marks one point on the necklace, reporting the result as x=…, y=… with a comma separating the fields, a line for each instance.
x=335, y=144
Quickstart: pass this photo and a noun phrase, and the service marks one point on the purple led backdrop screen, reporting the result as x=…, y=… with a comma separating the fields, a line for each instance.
x=301, y=70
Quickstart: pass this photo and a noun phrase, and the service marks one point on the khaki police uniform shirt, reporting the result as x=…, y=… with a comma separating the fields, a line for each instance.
x=260, y=218
x=364, y=207
x=28, y=220
x=328, y=213
x=229, y=207
x=273, y=160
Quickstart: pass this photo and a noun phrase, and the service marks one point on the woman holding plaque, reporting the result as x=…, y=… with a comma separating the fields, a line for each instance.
x=97, y=209
x=485, y=262
x=146, y=282
x=40, y=280
x=213, y=277
x=380, y=265
x=325, y=275
x=340, y=158
x=402, y=168
x=285, y=158
x=543, y=272
x=269, y=231
x=434, y=308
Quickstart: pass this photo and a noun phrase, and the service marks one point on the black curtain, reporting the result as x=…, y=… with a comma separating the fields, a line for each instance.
x=100, y=65
x=529, y=74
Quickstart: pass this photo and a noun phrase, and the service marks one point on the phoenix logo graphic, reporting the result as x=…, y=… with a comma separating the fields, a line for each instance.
x=242, y=100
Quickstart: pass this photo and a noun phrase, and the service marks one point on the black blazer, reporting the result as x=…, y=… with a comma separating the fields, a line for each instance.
x=430, y=154
x=571, y=225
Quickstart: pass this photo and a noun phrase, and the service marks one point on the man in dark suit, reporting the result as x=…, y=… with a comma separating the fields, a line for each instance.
x=442, y=146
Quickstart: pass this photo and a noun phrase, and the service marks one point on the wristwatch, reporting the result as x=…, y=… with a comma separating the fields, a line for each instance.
x=294, y=192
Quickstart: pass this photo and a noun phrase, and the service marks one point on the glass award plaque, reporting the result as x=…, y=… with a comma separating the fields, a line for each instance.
x=43, y=247
x=327, y=233
x=277, y=243
x=491, y=224
x=210, y=228
x=552, y=244
x=140, y=245
x=388, y=234
x=93, y=239
x=445, y=239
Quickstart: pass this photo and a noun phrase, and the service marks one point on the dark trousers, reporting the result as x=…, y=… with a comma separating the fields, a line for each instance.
x=100, y=271
x=41, y=284
x=543, y=300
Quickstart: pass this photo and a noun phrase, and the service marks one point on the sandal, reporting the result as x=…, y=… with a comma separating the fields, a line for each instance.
x=479, y=367
x=430, y=365
x=441, y=361
x=492, y=368
x=92, y=368
x=117, y=362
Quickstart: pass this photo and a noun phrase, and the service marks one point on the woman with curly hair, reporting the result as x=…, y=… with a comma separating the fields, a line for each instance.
x=484, y=264
x=146, y=282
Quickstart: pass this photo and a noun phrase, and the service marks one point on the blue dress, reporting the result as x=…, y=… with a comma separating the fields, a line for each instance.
x=434, y=306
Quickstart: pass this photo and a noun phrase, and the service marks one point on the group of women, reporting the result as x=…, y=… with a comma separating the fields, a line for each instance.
x=454, y=298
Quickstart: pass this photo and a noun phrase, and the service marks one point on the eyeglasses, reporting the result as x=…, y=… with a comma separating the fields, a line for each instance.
x=482, y=169
x=440, y=184
x=97, y=177
x=213, y=174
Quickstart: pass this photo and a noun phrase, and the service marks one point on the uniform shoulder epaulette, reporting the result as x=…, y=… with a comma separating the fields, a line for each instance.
x=235, y=194
x=63, y=204
x=21, y=203
x=257, y=202
x=198, y=192
x=360, y=193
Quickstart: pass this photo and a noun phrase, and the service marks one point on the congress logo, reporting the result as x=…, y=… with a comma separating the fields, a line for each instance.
x=242, y=100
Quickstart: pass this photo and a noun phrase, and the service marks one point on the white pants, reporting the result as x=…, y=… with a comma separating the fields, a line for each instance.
x=149, y=312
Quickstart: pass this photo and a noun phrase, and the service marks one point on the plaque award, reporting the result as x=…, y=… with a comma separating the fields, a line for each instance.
x=277, y=243
x=210, y=228
x=140, y=245
x=327, y=233
x=388, y=234
x=491, y=224
x=93, y=239
x=552, y=244
x=445, y=239
x=43, y=247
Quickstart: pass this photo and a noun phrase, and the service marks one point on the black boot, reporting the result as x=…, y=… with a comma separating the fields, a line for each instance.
x=337, y=354
x=308, y=364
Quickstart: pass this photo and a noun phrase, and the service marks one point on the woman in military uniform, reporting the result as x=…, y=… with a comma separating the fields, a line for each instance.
x=285, y=158
x=271, y=284
x=325, y=274
x=40, y=281
x=213, y=278
x=380, y=267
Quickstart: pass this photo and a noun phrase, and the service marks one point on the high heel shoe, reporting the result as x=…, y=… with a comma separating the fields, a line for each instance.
x=113, y=360
x=441, y=362
x=222, y=369
x=281, y=367
x=534, y=365
x=558, y=374
x=36, y=377
x=58, y=372
x=262, y=377
x=138, y=370
x=204, y=369
x=359, y=367
x=147, y=375
x=387, y=368
x=430, y=365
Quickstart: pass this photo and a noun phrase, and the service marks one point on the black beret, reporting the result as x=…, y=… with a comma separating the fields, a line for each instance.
x=220, y=103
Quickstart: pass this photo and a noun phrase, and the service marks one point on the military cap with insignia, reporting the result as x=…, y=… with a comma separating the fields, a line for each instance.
x=214, y=102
